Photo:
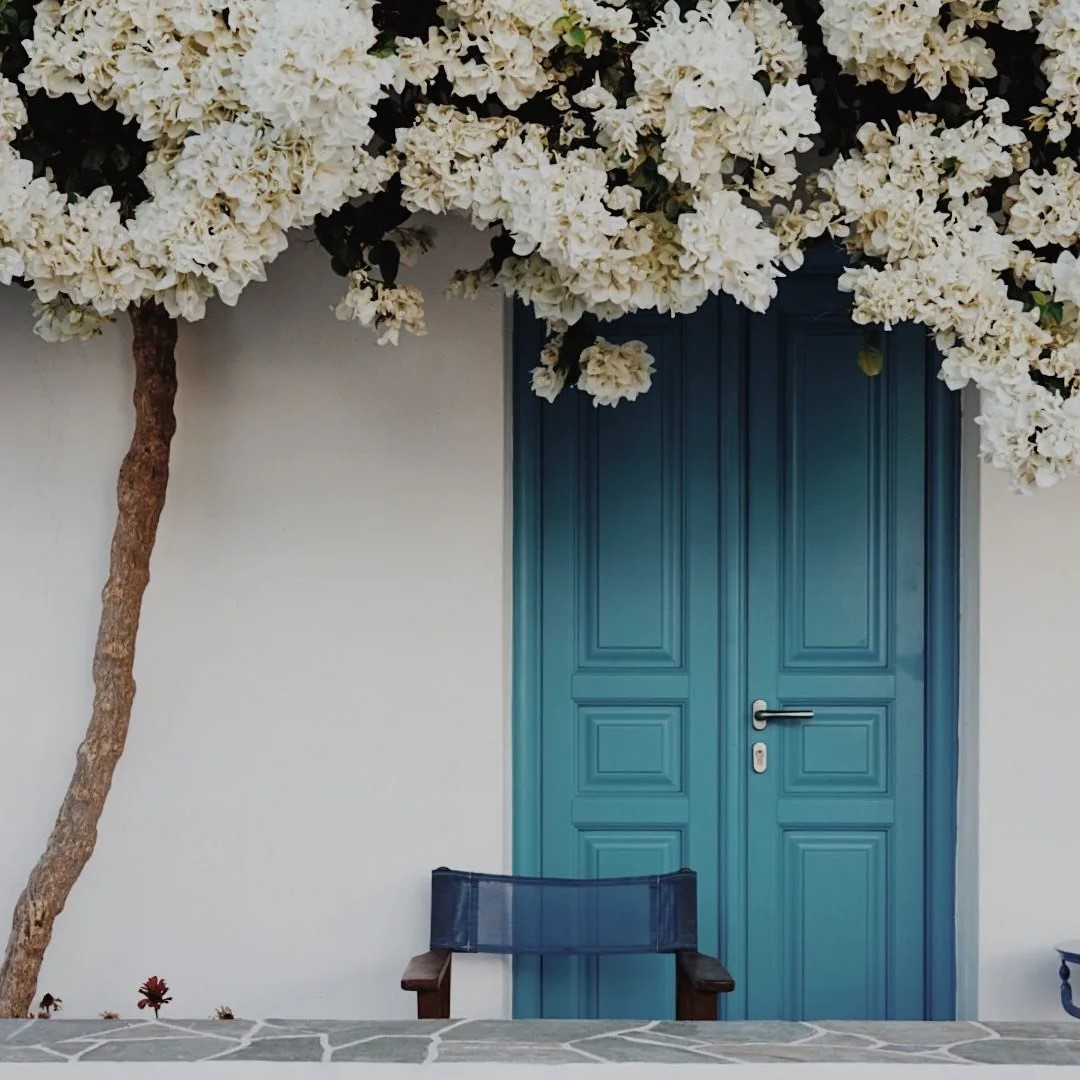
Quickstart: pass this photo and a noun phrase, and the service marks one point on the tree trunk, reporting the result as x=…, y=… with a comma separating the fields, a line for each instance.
x=144, y=476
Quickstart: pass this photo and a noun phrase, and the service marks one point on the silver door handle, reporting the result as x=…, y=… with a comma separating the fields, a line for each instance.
x=761, y=714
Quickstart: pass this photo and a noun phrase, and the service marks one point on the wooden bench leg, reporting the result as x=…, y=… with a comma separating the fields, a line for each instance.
x=691, y=1003
x=434, y=1004
x=698, y=981
x=429, y=976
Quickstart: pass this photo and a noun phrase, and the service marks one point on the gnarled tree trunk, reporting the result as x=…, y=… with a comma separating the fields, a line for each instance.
x=144, y=476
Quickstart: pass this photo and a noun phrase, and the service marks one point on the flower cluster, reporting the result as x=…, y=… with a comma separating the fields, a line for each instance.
x=609, y=372
x=926, y=41
x=388, y=309
x=650, y=191
x=259, y=119
x=995, y=288
x=503, y=48
x=624, y=155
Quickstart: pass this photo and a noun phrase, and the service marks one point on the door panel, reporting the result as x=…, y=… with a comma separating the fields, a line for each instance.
x=629, y=595
x=753, y=527
x=835, y=624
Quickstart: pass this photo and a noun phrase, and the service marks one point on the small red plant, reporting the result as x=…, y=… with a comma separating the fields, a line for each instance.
x=224, y=1012
x=154, y=994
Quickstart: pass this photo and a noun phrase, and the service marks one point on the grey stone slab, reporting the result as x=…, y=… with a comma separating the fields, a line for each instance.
x=910, y=1032
x=218, y=1043
x=223, y=1029
x=654, y=1036
x=911, y=1048
x=547, y=1042
x=536, y=1031
x=506, y=1053
x=841, y=1038
x=366, y=1029
x=300, y=1048
x=737, y=1031
x=1015, y=1052
x=305, y=1027
x=24, y=1054
x=401, y=1051
x=193, y=1049
x=1035, y=1029
x=118, y=1031
x=50, y=1032
x=620, y=1049
x=806, y=1053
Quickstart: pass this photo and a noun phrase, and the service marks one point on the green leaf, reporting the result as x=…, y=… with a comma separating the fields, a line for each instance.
x=353, y=249
x=871, y=360
x=1053, y=312
x=673, y=208
x=763, y=78
x=949, y=166
x=384, y=47
x=387, y=258
x=578, y=35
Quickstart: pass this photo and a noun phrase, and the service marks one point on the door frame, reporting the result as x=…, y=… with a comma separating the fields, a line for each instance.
x=942, y=654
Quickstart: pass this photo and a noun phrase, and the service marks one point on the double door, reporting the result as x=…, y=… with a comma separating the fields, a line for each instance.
x=752, y=530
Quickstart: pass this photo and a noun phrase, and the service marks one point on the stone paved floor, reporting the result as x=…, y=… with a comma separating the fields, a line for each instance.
x=547, y=1042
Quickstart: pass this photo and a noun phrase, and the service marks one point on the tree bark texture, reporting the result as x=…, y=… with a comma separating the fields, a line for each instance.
x=141, y=488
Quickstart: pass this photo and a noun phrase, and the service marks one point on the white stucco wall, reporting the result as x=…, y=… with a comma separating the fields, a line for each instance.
x=1028, y=744
x=322, y=709
x=321, y=715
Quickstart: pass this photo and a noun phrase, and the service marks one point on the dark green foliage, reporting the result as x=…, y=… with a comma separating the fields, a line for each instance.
x=355, y=235
x=81, y=147
x=576, y=340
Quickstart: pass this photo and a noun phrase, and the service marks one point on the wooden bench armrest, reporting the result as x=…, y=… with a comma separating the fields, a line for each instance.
x=427, y=971
x=705, y=973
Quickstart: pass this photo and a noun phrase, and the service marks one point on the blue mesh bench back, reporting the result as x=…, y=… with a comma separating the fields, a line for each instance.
x=492, y=913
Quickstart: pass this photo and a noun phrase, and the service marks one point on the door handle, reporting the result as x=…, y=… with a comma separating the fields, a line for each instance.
x=761, y=714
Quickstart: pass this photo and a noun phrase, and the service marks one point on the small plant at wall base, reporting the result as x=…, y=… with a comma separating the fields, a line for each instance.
x=46, y=1007
x=624, y=155
x=154, y=994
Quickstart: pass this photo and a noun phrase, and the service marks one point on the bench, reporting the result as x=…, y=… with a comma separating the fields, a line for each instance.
x=529, y=916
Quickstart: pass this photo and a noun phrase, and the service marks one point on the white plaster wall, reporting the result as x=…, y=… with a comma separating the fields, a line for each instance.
x=321, y=715
x=322, y=708
x=1028, y=744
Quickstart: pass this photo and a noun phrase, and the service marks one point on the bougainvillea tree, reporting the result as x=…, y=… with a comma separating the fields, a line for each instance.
x=623, y=155
x=152, y=156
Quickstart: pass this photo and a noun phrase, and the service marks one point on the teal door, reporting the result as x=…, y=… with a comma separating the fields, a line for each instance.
x=754, y=528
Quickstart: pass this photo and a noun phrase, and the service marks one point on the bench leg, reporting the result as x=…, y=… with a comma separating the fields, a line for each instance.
x=435, y=1004
x=691, y=1003
x=1066, y=991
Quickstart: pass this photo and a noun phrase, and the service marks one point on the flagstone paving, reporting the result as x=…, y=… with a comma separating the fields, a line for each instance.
x=546, y=1042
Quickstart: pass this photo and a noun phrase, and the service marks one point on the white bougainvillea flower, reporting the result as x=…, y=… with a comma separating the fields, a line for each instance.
x=548, y=379
x=625, y=160
x=259, y=118
x=612, y=373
